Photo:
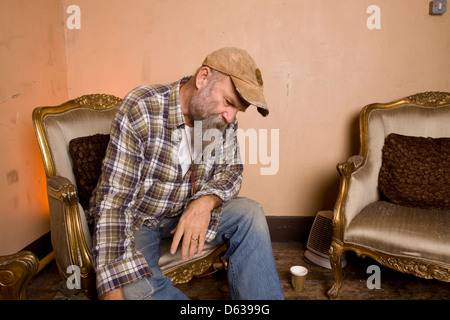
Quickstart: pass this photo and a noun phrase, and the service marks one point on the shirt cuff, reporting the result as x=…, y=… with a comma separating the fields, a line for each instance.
x=120, y=273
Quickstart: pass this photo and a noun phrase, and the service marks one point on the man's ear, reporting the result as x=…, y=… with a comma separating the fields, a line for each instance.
x=202, y=77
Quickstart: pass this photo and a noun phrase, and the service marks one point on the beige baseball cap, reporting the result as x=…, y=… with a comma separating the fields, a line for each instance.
x=244, y=73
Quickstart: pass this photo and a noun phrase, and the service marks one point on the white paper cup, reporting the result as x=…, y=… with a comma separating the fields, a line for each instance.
x=298, y=277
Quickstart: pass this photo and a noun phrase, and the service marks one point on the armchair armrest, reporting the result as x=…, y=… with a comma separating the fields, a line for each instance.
x=62, y=189
x=16, y=271
x=356, y=161
x=358, y=188
x=68, y=231
x=346, y=169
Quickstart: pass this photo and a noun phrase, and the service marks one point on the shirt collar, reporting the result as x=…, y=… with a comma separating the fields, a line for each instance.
x=175, y=117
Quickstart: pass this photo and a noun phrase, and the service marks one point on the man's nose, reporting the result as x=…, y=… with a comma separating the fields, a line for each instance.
x=229, y=115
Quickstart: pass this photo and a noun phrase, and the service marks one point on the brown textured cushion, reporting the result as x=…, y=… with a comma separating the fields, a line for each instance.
x=87, y=154
x=415, y=171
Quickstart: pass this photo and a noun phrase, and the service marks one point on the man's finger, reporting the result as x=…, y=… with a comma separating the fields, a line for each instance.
x=201, y=244
x=176, y=240
x=193, y=247
x=185, y=246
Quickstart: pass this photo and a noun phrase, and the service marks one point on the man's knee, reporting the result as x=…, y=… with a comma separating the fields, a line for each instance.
x=248, y=210
x=254, y=208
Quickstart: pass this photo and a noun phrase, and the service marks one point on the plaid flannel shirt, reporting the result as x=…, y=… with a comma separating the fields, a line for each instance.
x=142, y=183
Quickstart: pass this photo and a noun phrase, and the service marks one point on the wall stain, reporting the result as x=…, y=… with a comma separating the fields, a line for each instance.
x=12, y=177
x=15, y=95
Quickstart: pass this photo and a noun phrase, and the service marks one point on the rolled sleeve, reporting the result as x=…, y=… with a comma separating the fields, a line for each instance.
x=115, y=262
x=118, y=274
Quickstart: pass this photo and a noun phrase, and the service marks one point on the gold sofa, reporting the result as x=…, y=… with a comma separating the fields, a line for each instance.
x=393, y=205
x=56, y=128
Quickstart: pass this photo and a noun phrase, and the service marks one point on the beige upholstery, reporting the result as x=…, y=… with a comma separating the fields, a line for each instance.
x=402, y=231
x=411, y=240
x=55, y=127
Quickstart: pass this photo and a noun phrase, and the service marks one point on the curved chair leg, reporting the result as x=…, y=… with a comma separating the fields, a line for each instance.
x=336, y=252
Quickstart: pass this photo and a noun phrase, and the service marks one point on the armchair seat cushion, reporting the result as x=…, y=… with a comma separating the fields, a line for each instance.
x=402, y=231
x=171, y=261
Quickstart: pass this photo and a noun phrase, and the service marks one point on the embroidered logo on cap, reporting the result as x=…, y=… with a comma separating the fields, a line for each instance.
x=259, y=77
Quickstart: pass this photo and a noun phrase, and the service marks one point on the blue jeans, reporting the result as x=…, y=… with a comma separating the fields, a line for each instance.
x=251, y=267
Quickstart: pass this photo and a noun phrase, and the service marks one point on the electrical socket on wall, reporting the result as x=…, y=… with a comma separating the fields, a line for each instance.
x=438, y=7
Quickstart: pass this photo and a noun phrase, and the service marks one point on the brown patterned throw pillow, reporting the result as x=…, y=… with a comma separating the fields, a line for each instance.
x=415, y=171
x=87, y=155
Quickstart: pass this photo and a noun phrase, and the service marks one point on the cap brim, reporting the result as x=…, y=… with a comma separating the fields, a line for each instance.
x=252, y=95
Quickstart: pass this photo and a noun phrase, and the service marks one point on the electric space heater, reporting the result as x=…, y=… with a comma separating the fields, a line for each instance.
x=319, y=240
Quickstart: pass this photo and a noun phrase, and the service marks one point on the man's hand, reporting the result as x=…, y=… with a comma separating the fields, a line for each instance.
x=193, y=225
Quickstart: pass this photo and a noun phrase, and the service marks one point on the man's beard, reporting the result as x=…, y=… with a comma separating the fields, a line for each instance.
x=199, y=110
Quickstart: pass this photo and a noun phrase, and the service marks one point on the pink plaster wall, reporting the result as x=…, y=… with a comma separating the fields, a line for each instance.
x=320, y=62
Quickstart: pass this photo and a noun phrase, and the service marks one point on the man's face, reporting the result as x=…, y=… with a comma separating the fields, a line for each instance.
x=216, y=104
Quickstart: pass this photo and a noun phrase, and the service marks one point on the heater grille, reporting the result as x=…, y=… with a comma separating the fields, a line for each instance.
x=321, y=232
x=319, y=240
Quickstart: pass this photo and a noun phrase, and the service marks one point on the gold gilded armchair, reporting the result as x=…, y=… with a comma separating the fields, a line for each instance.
x=394, y=199
x=60, y=130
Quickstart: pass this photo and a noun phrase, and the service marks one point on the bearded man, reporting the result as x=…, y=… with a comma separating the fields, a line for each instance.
x=156, y=184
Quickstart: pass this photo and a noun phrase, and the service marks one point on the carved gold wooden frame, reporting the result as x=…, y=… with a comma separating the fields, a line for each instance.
x=16, y=271
x=418, y=267
x=64, y=191
x=92, y=101
x=195, y=268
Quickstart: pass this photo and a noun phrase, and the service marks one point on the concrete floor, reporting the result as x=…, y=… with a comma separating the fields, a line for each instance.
x=47, y=285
